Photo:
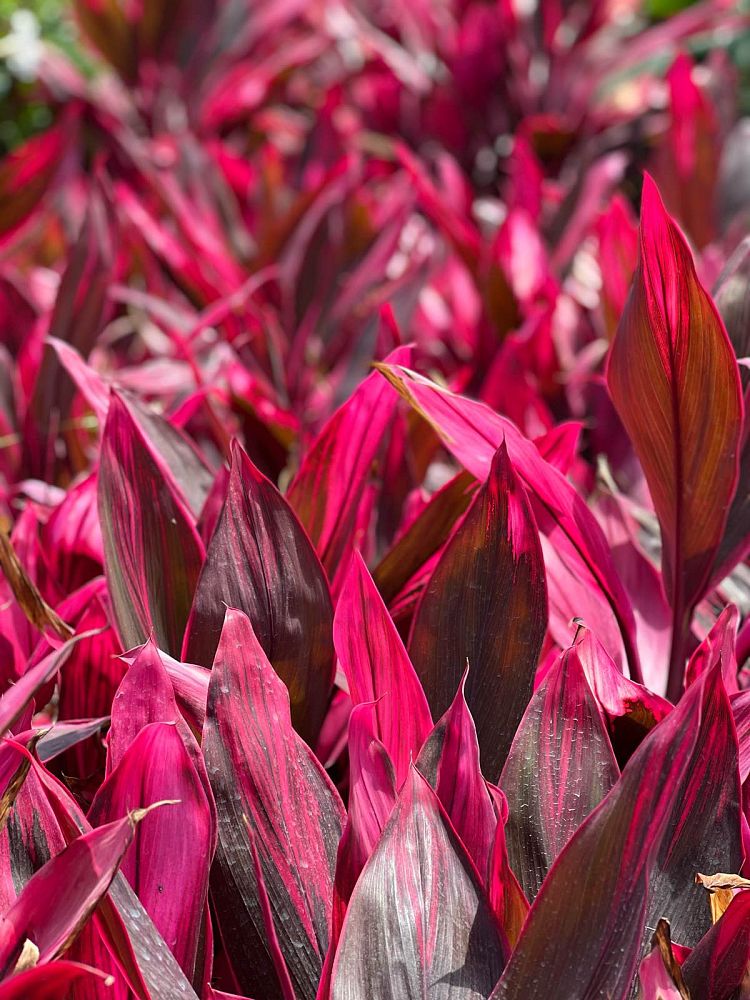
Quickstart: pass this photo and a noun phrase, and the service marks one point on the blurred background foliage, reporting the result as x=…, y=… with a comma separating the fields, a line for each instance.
x=25, y=25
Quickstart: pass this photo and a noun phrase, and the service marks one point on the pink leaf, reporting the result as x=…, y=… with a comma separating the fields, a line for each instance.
x=262, y=770
x=378, y=669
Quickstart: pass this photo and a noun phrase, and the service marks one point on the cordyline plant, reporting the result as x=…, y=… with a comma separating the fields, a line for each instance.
x=374, y=495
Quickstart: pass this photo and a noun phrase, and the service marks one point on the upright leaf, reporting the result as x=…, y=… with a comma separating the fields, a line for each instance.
x=580, y=569
x=328, y=489
x=152, y=551
x=560, y=767
x=485, y=602
x=418, y=925
x=372, y=796
x=585, y=930
x=718, y=964
x=261, y=770
x=170, y=858
x=450, y=763
x=378, y=668
x=260, y=561
x=674, y=381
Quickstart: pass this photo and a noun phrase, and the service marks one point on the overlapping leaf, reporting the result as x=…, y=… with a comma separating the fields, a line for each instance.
x=261, y=769
x=420, y=906
x=260, y=561
x=485, y=603
x=152, y=551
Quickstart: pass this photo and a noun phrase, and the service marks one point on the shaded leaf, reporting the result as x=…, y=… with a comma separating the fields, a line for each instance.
x=260, y=561
x=579, y=562
x=486, y=602
x=421, y=909
x=585, y=930
x=559, y=768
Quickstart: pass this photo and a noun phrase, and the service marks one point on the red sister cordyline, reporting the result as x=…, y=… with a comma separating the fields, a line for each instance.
x=421, y=681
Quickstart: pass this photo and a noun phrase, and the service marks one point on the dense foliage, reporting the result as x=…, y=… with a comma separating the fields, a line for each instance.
x=374, y=485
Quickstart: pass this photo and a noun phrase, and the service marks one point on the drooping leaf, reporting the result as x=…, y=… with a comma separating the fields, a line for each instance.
x=486, y=603
x=659, y=975
x=65, y=735
x=58, y=900
x=420, y=908
x=152, y=551
x=559, y=768
x=261, y=769
x=53, y=981
x=16, y=699
x=378, y=668
x=260, y=561
x=674, y=381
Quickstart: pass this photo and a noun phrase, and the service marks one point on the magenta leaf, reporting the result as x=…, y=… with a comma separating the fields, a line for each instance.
x=450, y=763
x=485, y=602
x=420, y=908
x=674, y=380
x=121, y=937
x=53, y=982
x=152, y=551
x=559, y=768
x=262, y=770
x=171, y=854
x=717, y=966
x=328, y=490
x=577, y=554
x=58, y=899
x=585, y=930
x=16, y=698
x=378, y=668
x=260, y=561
